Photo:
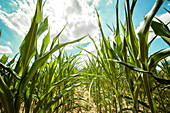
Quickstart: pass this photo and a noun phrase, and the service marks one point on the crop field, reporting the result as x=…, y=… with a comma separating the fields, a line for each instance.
x=121, y=78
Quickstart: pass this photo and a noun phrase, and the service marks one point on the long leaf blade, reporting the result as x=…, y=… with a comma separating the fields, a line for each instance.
x=156, y=57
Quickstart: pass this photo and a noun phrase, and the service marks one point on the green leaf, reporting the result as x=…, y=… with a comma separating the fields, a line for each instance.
x=6, y=97
x=12, y=61
x=112, y=30
x=160, y=30
x=132, y=67
x=43, y=26
x=156, y=57
x=166, y=10
x=149, y=44
x=54, y=40
x=4, y=59
x=133, y=40
x=117, y=37
x=63, y=92
x=91, y=84
x=26, y=98
x=10, y=71
x=28, y=45
x=45, y=43
x=140, y=102
x=107, y=46
x=27, y=51
x=38, y=15
x=133, y=6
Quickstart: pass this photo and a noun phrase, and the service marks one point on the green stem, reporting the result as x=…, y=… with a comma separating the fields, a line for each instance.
x=143, y=55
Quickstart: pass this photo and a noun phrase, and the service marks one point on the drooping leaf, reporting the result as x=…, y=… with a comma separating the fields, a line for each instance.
x=160, y=30
x=132, y=67
x=158, y=56
x=140, y=102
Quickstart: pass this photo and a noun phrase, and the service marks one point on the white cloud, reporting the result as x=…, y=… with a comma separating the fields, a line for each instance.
x=5, y=49
x=163, y=17
x=94, y=2
x=19, y=20
x=168, y=58
x=13, y=3
x=139, y=27
x=81, y=18
x=9, y=43
x=109, y=2
x=0, y=6
x=168, y=4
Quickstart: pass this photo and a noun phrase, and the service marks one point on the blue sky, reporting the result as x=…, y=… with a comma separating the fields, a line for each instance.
x=15, y=19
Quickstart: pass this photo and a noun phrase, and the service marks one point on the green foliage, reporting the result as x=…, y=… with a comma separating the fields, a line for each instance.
x=162, y=30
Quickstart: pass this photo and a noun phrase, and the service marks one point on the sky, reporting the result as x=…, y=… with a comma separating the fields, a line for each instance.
x=15, y=20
